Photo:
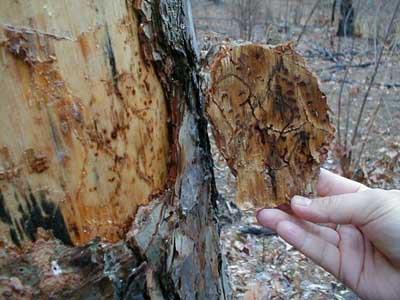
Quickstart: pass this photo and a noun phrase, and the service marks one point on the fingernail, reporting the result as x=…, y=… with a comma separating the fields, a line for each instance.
x=262, y=216
x=301, y=201
x=258, y=212
x=267, y=218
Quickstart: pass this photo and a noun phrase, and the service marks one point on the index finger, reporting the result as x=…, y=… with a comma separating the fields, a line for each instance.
x=330, y=184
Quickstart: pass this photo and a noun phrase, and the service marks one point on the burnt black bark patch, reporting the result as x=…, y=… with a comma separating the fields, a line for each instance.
x=14, y=237
x=41, y=212
x=111, y=57
x=4, y=213
x=113, y=65
x=82, y=259
x=135, y=288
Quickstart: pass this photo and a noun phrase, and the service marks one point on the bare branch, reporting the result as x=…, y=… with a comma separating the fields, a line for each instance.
x=353, y=140
x=308, y=20
x=364, y=143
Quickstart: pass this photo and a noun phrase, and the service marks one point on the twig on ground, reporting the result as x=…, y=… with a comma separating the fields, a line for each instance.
x=339, y=67
x=258, y=231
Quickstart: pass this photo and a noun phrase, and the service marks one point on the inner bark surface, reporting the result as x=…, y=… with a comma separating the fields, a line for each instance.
x=270, y=120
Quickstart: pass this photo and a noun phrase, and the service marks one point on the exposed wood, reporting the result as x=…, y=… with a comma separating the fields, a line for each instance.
x=270, y=121
x=102, y=135
x=84, y=122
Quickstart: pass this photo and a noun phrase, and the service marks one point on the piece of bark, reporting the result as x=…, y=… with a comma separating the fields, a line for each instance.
x=49, y=269
x=270, y=121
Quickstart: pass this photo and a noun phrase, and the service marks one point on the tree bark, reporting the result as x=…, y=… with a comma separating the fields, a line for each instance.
x=270, y=121
x=104, y=145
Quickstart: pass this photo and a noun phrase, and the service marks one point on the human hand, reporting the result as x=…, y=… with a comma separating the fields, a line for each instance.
x=363, y=251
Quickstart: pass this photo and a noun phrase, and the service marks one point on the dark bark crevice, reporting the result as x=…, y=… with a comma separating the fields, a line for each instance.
x=169, y=43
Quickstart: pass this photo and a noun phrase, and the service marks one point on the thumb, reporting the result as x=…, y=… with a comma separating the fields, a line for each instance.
x=355, y=208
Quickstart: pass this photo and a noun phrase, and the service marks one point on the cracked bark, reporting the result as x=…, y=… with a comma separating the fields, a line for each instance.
x=270, y=121
x=104, y=145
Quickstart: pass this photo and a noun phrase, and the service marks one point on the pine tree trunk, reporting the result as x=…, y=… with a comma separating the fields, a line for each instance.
x=106, y=183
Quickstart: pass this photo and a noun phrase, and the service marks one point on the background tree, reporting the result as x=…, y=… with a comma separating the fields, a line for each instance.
x=247, y=14
x=347, y=18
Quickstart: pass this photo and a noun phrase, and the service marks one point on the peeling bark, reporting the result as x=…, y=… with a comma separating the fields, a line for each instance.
x=51, y=270
x=102, y=135
x=270, y=121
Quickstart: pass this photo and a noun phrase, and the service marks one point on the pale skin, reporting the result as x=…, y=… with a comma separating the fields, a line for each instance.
x=363, y=251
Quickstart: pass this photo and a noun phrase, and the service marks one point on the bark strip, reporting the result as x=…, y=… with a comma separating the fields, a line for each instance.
x=270, y=120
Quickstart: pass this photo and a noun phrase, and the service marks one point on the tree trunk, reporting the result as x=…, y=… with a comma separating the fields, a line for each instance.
x=346, y=21
x=106, y=182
